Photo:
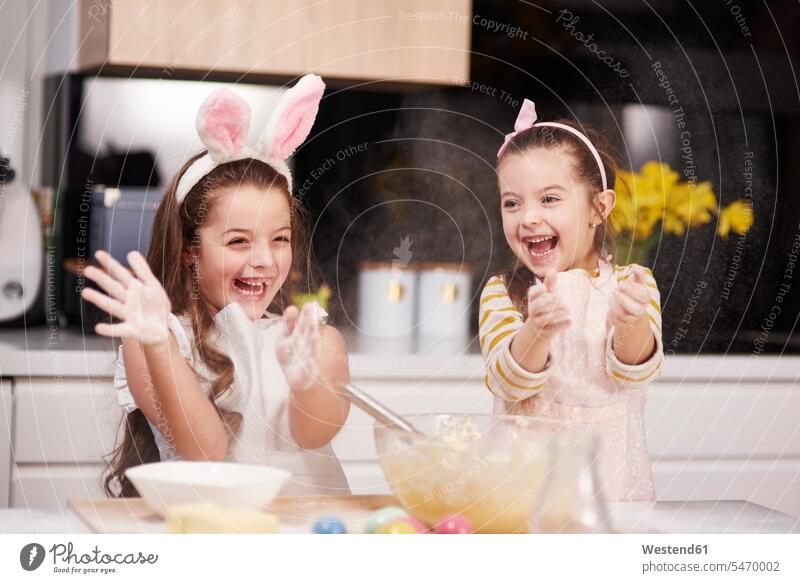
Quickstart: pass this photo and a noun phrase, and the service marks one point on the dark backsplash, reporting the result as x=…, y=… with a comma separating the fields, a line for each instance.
x=425, y=168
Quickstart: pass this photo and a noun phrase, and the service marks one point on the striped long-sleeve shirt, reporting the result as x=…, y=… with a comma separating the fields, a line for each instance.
x=499, y=321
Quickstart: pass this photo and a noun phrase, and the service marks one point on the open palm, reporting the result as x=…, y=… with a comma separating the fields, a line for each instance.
x=297, y=350
x=630, y=299
x=139, y=302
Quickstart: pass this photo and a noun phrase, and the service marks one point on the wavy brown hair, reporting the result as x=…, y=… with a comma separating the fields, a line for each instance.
x=175, y=231
x=518, y=278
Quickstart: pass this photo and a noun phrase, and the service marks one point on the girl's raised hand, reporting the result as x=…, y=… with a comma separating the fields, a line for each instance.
x=297, y=351
x=139, y=303
x=630, y=299
x=546, y=313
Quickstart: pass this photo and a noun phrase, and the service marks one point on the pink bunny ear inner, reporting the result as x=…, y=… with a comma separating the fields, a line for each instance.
x=292, y=121
x=223, y=123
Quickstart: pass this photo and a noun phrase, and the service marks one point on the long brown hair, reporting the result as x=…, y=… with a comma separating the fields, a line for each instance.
x=175, y=230
x=518, y=278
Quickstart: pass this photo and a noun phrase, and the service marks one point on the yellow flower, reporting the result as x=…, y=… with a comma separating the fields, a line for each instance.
x=659, y=176
x=674, y=225
x=693, y=203
x=656, y=195
x=736, y=217
x=624, y=213
x=640, y=202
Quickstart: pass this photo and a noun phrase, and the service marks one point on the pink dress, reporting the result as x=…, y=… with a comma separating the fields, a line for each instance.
x=583, y=380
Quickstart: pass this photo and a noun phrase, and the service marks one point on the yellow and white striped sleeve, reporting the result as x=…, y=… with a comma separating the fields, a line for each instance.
x=639, y=375
x=499, y=322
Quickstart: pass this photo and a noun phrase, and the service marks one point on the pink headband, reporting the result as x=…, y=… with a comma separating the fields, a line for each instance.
x=223, y=123
x=527, y=119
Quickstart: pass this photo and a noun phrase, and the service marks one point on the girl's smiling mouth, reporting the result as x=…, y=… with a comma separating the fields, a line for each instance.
x=540, y=246
x=252, y=288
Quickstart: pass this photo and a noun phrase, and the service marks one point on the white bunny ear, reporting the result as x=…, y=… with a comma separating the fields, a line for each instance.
x=223, y=123
x=291, y=122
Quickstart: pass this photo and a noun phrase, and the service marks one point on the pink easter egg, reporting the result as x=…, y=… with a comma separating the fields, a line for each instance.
x=455, y=524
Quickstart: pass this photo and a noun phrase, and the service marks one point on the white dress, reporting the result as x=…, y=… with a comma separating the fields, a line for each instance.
x=260, y=393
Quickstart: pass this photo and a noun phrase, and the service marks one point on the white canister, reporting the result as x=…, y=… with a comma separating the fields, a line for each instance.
x=386, y=307
x=444, y=307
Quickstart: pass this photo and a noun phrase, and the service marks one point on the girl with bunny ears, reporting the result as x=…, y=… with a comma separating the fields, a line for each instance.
x=565, y=334
x=208, y=370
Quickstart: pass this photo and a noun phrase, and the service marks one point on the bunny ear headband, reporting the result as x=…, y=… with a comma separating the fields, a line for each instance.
x=527, y=119
x=223, y=123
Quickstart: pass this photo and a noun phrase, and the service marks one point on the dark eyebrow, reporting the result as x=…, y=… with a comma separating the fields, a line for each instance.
x=248, y=231
x=545, y=189
x=553, y=187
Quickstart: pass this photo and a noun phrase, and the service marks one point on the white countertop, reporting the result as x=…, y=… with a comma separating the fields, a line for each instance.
x=37, y=352
x=699, y=517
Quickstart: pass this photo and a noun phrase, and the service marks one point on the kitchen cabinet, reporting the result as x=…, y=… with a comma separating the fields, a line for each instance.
x=64, y=421
x=63, y=427
x=407, y=41
x=707, y=441
x=51, y=485
x=6, y=400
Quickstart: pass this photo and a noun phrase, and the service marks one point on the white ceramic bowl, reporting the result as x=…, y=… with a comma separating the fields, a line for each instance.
x=228, y=484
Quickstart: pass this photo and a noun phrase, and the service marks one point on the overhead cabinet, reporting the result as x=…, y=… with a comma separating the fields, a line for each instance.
x=405, y=41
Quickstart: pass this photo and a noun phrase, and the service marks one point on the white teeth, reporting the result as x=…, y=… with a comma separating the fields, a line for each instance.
x=538, y=239
x=251, y=286
x=530, y=241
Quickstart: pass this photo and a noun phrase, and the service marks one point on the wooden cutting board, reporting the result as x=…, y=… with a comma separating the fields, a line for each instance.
x=297, y=513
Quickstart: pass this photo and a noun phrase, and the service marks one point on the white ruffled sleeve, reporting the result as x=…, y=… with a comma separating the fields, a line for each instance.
x=120, y=383
x=124, y=397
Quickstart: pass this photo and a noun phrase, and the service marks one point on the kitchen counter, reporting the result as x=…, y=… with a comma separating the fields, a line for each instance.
x=697, y=517
x=38, y=352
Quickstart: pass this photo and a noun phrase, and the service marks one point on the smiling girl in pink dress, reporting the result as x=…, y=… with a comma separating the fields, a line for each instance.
x=566, y=334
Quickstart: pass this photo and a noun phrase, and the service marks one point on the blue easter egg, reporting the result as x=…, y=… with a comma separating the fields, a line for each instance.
x=329, y=525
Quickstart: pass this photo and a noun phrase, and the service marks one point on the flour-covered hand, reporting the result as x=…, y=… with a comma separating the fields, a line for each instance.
x=546, y=313
x=630, y=299
x=297, y=350
x=138, y=301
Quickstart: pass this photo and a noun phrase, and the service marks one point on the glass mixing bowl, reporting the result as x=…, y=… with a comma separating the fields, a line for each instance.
x=504, y=473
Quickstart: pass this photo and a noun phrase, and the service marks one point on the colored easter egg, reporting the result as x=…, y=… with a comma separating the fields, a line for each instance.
x=421, y=528
x=329, y=525
x=381, y=517
x=400, y=526
x=455, y=524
